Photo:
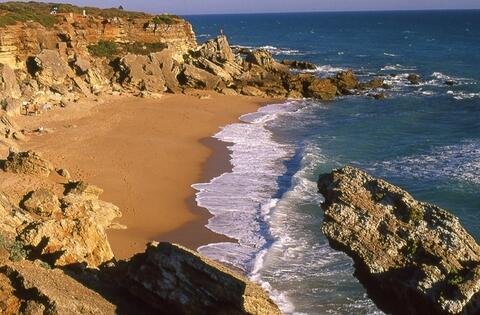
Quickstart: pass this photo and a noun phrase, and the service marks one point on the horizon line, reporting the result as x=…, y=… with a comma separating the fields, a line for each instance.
x=329, y=11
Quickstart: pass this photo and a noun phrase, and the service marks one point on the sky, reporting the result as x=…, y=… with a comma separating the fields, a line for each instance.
x=185, y=7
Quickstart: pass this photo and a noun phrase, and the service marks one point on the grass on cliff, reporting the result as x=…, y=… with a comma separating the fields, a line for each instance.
x=13, y=12
x=110, y=49
x=168, y=19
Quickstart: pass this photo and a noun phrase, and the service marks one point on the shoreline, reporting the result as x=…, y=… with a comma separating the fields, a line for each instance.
x=147, y=162
x=216, y=164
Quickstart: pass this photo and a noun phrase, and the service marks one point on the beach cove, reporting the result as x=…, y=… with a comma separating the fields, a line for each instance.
x=145, y=154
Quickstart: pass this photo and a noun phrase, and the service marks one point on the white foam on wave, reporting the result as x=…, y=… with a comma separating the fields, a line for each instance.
x=282, y=51
x=390, y=54
x=273, y=50
x=300, y=261
x=398, y=67
x=237, y=199
x=241, y=201
x=460, y=162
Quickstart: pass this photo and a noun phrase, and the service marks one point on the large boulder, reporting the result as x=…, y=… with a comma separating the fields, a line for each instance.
x=413, y=257
x=50, y=68
x=322, y=89
x=216, y=50
x=171, y=277
x=193, y=77
x=141, y=73
x=264, y=59
x=346, y=81
x=76, y=236
x=170, y=68
x=29, y=162
x=42, y=202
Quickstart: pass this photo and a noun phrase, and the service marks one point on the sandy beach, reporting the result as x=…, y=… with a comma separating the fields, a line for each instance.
x=145, y=154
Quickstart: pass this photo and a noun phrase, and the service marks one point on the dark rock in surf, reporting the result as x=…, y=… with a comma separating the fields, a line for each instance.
x=299, y=65
x=413, y=257
x=414, y=79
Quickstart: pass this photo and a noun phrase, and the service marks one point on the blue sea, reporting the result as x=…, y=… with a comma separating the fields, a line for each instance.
x=424, y=138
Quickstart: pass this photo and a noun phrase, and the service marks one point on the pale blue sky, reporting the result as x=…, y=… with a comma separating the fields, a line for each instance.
x=256, y=6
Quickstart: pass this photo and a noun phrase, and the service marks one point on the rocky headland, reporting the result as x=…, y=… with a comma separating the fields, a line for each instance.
x=411, y=256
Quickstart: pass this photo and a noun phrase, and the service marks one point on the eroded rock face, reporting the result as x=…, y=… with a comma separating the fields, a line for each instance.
x=50, y=292
x=171, y=277
x=78, y=235
x=8, y=82
x=413, y=257
x=42, y=202
x=217, y=50
x=28, y=162
x=142, y=73
x=50, y=68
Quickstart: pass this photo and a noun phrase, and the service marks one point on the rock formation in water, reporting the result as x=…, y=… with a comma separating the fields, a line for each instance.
x=413, y=257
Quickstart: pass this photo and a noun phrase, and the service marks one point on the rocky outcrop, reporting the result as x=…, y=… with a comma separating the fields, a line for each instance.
x=78, y=233
x=29, y=162
x=141, y=73
x=413, y=257
x=346, y=81
x=299, y=65
x=413, y=79
x=171, y=277
x=42, y=202
x=33, y=288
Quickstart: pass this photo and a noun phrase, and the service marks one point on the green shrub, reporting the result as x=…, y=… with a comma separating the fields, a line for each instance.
x=103, y=48
x=166, y=19
x=13, y=12
x=18, y=251
x=454, y=278
x=416, y=214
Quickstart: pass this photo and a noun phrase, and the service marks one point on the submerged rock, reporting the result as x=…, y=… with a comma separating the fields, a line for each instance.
x=172, y=277
x=413, y=257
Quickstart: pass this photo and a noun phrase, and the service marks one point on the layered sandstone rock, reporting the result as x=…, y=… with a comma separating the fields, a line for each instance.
x=172, y=277
x=413, y=257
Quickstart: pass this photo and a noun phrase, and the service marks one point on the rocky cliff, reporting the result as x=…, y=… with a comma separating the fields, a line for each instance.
x=413, y=257
x=62, y=57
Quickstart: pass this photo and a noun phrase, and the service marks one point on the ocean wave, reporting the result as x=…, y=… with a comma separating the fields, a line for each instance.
x=300, y=261
x=282, y=51
x=241, y=201
x=461, y=95
x=273, y=50
x=398, y=67
x=390, y=54
x=458, y=162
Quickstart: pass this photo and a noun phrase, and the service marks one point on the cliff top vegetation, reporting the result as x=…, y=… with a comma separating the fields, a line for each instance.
x=15, y=11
